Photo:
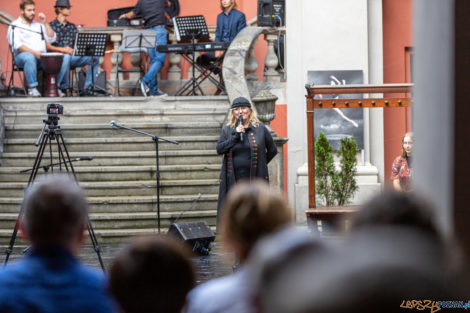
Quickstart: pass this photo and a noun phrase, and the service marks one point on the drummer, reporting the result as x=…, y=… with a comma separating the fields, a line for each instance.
x=27, y=39
x=66, y=34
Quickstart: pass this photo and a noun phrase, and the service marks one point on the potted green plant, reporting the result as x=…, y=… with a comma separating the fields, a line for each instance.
x=335, y=185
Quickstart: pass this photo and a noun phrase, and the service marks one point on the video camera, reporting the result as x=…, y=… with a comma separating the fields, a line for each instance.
x=55, y=109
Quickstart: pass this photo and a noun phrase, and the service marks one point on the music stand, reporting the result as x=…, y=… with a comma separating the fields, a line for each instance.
x=93, y=45
x=191, y=27
x=135, y=41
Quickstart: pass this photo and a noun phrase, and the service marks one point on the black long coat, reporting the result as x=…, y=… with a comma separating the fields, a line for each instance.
x=263, y=150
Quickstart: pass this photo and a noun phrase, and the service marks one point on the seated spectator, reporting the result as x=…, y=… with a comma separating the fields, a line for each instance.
x=251, y=210
x=50, y=278
x=390, y=256
x=153, y=274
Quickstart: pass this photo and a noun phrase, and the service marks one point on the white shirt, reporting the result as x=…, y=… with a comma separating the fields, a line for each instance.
x=229, y=294
x=22, y=37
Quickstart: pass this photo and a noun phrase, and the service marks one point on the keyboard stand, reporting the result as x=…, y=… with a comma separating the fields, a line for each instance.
x=205, y=73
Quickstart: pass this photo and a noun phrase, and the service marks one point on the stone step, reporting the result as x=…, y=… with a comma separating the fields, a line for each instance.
x=118, y=144
x=110, y=158
x=120, y=173
x=122, y=204
x=120, y=180
x=121, y=116
x=134, y=188
x=117, y=103
x=137, y=220
x=105, y=130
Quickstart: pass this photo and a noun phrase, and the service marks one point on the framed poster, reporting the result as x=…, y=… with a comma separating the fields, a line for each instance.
x=338, y=123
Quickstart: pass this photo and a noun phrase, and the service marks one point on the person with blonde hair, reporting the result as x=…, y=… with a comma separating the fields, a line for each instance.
x=247, y=146
x=402, y=170
x=252, y=210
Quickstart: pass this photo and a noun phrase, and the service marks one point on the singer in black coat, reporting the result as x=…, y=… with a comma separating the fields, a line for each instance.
x=247, y=146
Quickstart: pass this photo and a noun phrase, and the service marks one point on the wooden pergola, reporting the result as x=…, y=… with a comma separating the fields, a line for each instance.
x=403, y=100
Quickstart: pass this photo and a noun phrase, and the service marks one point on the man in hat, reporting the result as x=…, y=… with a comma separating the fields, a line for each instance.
x=27, y=42
x=66, y=33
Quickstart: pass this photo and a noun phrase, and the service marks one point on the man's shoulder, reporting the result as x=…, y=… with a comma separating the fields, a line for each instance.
x=16, y=22
x=54, y=22
x=19, y=22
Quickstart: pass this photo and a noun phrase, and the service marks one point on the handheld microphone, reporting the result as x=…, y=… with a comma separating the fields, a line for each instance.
x=42, y=35
x=240, y=122
x=88, y=158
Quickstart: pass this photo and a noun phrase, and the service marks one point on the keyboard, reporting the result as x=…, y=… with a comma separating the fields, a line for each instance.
x=186, y=48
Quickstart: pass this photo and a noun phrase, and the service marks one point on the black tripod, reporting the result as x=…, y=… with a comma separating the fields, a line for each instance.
x=50, y=133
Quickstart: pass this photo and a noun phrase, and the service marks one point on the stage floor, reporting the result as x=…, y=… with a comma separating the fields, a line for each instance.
x=217, y=263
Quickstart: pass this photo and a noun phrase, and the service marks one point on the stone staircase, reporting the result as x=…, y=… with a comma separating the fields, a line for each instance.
x=120, y=180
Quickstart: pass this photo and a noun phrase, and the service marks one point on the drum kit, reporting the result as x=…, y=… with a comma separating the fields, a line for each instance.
x=51, y=62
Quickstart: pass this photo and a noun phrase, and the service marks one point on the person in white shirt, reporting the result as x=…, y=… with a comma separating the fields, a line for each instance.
x=27, y=38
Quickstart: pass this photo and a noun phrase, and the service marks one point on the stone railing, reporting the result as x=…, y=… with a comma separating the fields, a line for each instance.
x=176, y=66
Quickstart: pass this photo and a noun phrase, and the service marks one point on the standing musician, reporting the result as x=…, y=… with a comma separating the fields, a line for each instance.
x=27, y=46
x=66, y=33
x=229, y=23
x=153, y=13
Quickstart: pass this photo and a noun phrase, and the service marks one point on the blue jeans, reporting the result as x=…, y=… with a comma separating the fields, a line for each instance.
x=72, y=61
x=157, y=59
x=28, y=62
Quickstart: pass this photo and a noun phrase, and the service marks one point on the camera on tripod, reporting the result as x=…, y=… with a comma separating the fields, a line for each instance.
x=55, y=109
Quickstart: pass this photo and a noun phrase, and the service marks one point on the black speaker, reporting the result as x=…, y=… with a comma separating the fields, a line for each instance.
x=197, y=234
x=271, y=13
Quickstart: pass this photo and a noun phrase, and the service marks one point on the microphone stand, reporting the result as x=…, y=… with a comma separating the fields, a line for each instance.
x=156, y=139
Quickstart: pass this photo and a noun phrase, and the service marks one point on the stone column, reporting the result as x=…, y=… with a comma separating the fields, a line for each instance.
x=251, y=64
x=271, y=61
x=116, y=57
x=136, y=61
x=174, y=72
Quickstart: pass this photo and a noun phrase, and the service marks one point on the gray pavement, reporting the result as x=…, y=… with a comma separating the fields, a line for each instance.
x=217, y=263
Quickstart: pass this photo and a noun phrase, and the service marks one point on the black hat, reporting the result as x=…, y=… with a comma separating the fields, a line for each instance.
x=62, y=4
x=241, y=102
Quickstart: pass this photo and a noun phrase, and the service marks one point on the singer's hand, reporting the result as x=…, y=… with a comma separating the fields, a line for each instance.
x=42, y=18
x=240, y=129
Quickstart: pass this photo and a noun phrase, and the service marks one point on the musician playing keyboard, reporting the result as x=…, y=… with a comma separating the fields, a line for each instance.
x=229, y=23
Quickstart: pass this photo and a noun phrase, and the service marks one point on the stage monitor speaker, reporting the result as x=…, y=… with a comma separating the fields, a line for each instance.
x=271, y=13
x=197, y=234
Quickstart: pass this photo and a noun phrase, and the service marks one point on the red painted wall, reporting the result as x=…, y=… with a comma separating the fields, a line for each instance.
x=397, y=39
x=92, y=13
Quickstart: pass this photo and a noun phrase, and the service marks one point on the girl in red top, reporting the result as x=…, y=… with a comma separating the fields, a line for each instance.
x=402, y=169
